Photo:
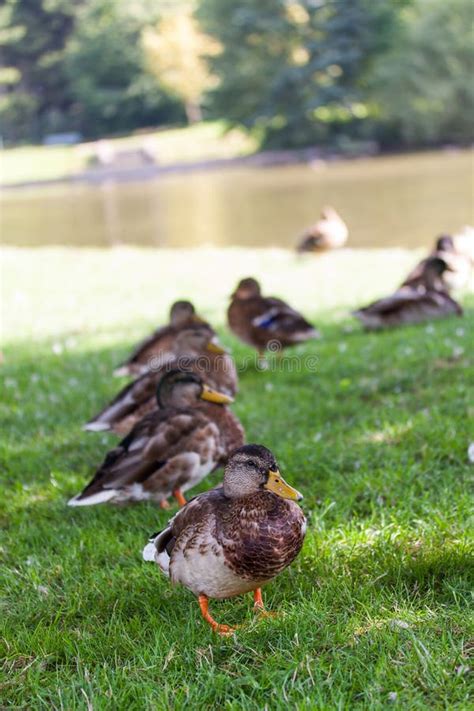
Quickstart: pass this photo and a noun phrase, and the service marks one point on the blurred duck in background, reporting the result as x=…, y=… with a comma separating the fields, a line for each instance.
x=464, y=242
x=161, y=342
x=329, y=232
x=266, y=322
x=412, y=304
x=170, y=450
x=194, y=351
x=430, y=274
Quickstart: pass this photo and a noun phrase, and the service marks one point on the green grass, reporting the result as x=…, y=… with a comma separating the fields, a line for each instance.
x=375, y=612
x=201, y=142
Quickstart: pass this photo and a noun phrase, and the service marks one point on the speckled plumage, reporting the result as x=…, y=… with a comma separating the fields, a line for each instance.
x=236, y=537
x=138, y=398
x=406, y=306
x=169, y=449
x=263, y=320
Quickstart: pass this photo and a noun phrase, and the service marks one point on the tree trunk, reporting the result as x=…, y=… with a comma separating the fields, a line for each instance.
x=193, y=111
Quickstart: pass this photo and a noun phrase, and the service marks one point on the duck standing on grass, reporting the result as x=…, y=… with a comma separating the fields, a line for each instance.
x=235, y=538
x=196, y=351
x=265, y=322
x=170, y=450
x=329, y=232
x=411, y=304
x=160, y=344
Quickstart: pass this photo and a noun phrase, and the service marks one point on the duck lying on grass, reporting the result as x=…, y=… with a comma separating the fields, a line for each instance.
x=170, y=450
x=408, y=305
x=329, y=232
x=235, y=538
x=161, y=343
x=266, y=322
x=194, y=351
x=444, y=269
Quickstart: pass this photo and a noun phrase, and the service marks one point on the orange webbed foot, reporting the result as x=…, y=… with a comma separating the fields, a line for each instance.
x=164, y=504
x=224, y=630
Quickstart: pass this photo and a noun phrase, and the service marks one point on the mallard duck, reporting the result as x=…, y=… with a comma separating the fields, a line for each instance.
x=264, y=321
x=194, y=351
x=159, y=345
x=443, y=270
x=235, y=538
x=170, y=450
x=329, y=232
x=405, y=306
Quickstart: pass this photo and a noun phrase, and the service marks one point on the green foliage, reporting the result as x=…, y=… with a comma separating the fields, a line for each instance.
x=296, y=72
x=33, y=37
x=424, y=86
x=111, y=89
x=376, y=612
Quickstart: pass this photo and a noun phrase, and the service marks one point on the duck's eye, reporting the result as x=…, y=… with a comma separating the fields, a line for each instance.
x=253, y=464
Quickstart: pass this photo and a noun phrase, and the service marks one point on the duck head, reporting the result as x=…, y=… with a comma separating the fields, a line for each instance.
x=445, y=243
x=251, y=469
x=197, y=341
x=182, y=311
x=181, y=388
x=247, y=289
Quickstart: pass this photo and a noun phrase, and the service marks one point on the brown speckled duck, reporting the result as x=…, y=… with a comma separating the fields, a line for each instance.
x=195, y=351
x=329, y=232
x=264, y=321
x=235, y=538
x=452, y=272
x=160, y=344
x=408, y=305
x=170, y=450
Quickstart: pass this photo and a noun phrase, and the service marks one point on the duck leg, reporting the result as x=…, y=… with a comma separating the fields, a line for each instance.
x=220, y=629
x=164, y=504
x=258, y=605
x=179, y=497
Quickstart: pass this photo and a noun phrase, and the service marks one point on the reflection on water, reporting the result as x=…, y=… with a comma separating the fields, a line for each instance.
x=389, y=201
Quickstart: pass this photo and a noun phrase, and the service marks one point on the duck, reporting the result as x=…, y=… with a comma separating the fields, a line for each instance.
x=171, y=449
x=329, y=232
x=265, y=322
x=158, y=346
x=452, y=272
x=464, y=242
x=408, y=305
x=234, y=538
x=194, y=350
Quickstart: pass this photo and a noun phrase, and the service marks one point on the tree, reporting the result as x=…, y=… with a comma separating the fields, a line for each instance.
x=296, y=71
x=177, y=54
x=34, y=89
x=111, y=88
x=424, y=86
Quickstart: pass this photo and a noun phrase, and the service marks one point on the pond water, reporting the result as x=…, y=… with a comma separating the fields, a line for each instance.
x=386, y=201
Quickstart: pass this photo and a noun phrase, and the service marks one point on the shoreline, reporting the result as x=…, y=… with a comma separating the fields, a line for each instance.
x=261, y=159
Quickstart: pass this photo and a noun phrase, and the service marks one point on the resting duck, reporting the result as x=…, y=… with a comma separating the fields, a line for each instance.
x=443, y=270
x=329, y=232
x=194, y=351
x=407, y=305
x=170, y=450
x=235, y=538
x=160, y=343
x=265, y=322
x=464, y=242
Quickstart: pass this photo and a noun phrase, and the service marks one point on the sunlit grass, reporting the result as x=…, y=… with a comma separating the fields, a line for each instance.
x=375, y=612
x=202, y=142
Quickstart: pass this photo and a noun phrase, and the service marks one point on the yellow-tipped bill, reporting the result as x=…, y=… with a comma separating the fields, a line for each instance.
x=214, y=347
x=214, y=396
x=278, y=486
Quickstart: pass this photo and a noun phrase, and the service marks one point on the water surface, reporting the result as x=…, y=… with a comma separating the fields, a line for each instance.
x=386, y=201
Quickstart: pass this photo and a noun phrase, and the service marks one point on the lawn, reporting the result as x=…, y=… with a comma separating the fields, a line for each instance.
x=373, y=429
x=201, y=142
